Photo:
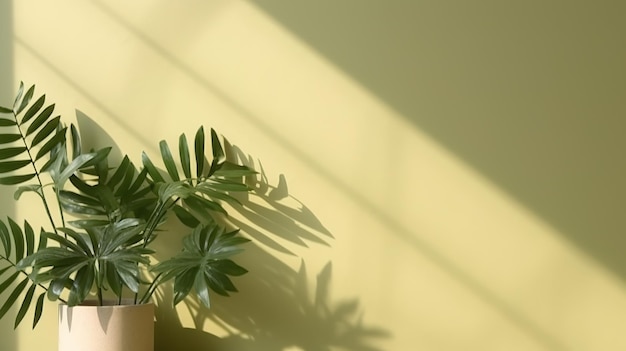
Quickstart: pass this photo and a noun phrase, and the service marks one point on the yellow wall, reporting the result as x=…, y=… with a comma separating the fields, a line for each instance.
x=454, y=169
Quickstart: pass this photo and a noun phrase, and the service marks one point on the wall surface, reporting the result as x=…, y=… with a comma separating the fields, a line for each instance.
x=438, y=175
x=6, y=90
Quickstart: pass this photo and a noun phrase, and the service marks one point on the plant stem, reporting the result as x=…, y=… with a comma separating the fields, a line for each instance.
x=28, y=275
x=153, y=221
x=32, y=161
x=56, y=191
x=151, y=289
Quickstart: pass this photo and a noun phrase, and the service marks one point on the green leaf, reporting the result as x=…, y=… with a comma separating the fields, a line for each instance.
x=56, y=288
x=25, y=305
x=215, y=165
x=9, y=166
x=75, y=198
x=9, y=138
x=183, y=284
x=43, y=116
x=213, y=194
x=124, y=231
x=168, y=160
x=5, y=237
x=81, y=286
x=140, y=205
x=5, y=110
x=82, y=209
x=126, y=182
x=34, y=108
x=18, y=239
x=228, y=267
x=76, y=143
x=100, y=155
x=62, y=263
x=141, y=177
x=199, y=149
x=53, y=164
x=218, y=152
x=29, y=234
x=202, y=289
x=5, y=269
x=185, y=217
x=199, y=203
x=81, y=241
x=26, y=100
x=65, y=242
x=5, y=122
x=89, y=223
x=57, y=139
x=128, y=274
x=38, y=309
x=94, y=234
x=5, y=284
x=84, y=187
x=74, y=166
x=226, y=185
x=12, y=180
x=101, y=169
x=44, y=132
x=113, y=279
x=170, y=190
x=232, y=170
x=202, y=264
x=152, y=171
x=25, y=262
x=108, y=201
x=13, y=297
x=18, y=96
x=11, y=151
x=119, y=173
x=183, y=150
x=218, y=283
x=43, y=241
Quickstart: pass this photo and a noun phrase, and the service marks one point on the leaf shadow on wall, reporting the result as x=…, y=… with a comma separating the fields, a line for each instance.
x=313, y=322
x=273, y=313
x=274, y=309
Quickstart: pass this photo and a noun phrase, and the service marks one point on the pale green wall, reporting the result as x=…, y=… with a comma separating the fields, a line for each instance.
x=454, y=167
x=530, y=93
x=6, y=91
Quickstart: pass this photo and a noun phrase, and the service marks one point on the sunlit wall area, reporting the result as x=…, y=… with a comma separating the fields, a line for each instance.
x=372, y=233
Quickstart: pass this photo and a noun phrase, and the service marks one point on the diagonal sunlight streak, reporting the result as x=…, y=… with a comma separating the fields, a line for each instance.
x=84, y=92
x=471, y=283
x=397, y=201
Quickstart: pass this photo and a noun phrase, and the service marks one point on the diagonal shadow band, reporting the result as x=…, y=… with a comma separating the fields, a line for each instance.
x=473, y=285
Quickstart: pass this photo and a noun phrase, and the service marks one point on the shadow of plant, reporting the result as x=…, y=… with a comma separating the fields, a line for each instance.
x=278, y=315
x=274, y=310
x=274, y=213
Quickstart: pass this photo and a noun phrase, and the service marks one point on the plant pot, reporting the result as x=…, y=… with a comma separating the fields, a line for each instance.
x=106, y=328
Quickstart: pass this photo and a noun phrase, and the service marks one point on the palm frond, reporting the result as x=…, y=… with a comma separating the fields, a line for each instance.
x=204, y=264
x=210, y=186
x=18, y=242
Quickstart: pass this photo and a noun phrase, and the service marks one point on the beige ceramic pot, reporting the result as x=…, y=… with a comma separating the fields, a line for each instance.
x=106, y=328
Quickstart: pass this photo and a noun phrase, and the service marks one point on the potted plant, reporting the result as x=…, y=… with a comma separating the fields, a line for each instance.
x=102, y=219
